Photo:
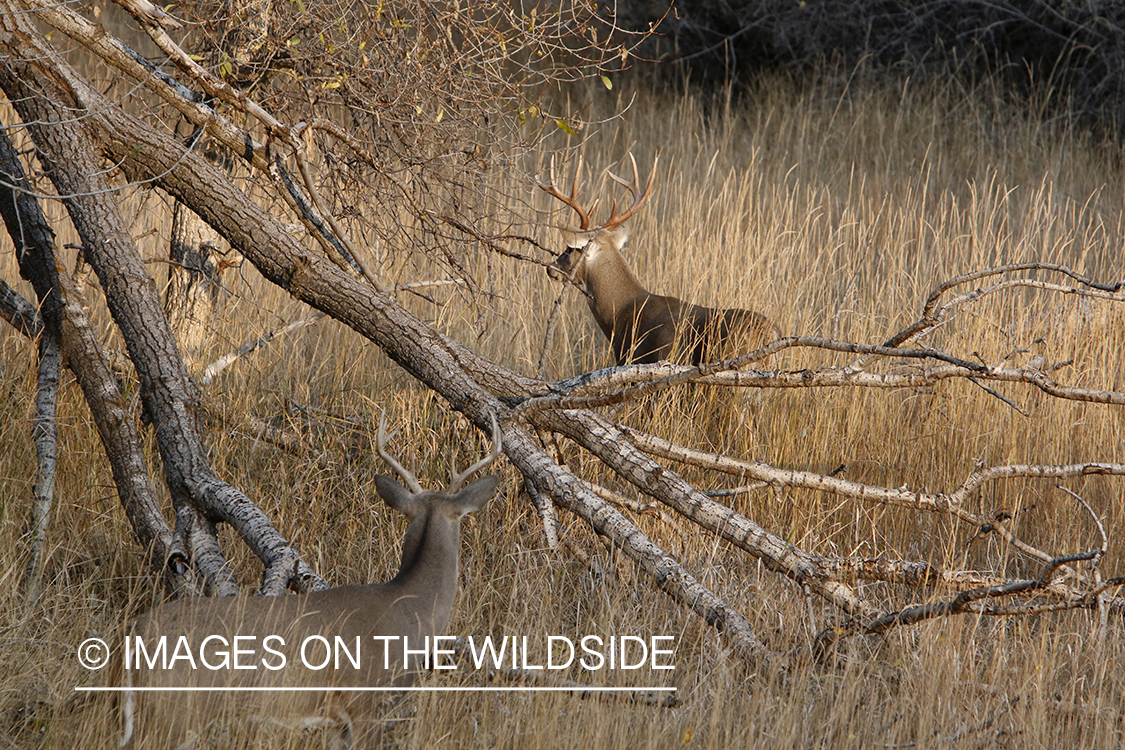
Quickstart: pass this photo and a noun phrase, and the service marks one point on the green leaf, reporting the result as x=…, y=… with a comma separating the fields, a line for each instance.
x=565, y=127
x=607, y=83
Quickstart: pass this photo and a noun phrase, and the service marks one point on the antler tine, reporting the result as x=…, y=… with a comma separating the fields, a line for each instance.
x=577, y=174
x=570, y=200
x=459, y=479
x=634, y=187
x=635, y=184
x=574, y=191
x=380, y=441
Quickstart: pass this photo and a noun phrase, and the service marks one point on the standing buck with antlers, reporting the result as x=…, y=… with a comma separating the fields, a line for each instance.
x=643, y=327
x=268, y=643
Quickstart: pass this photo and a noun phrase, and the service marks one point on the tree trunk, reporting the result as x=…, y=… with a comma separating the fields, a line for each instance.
x=66, y=150
x=59, y=301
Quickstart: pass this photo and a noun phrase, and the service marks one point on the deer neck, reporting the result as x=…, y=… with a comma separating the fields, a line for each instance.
x=428, y=574
x=612, y=285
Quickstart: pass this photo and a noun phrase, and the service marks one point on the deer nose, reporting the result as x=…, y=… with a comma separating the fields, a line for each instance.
x=562, y=263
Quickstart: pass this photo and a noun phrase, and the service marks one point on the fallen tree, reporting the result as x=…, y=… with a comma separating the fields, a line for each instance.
x=342, y=280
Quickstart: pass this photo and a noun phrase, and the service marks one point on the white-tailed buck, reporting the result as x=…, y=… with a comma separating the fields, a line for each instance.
x=641, y=326
x=341, y=638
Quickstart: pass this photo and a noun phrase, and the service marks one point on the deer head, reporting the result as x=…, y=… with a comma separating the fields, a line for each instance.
x=586, y=247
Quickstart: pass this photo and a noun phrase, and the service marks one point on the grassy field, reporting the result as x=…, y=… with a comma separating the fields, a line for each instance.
x=835, y=212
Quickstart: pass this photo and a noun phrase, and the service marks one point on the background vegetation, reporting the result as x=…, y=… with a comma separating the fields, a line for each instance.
x=835, y=210
x=1069, y=55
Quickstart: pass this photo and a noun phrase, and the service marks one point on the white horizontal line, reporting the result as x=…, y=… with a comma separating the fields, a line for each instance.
x=369, y=689
x=372, y=689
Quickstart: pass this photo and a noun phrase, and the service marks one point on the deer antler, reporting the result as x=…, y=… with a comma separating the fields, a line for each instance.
x=380, y=441
x=459, y=479
x=634, y=187
x=572, y=199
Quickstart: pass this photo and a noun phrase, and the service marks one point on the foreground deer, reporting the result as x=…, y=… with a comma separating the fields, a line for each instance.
x=641, y=326
x=270, y=642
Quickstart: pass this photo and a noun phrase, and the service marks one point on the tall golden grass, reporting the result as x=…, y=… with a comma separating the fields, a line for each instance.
x=835, y=211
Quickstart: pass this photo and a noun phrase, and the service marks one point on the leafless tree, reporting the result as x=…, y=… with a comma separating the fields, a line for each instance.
x=413, y=149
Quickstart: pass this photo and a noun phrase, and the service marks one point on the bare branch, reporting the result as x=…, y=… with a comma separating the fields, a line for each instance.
x=933, y=315
x=570, y=393
x=951, y=503
x=18, y=312
x=613, y=445
x=549, y=334
x=963, y=602
x=213, y=370
x=45, y=430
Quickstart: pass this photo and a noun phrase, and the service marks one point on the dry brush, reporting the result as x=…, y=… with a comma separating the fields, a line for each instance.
x=342, y=278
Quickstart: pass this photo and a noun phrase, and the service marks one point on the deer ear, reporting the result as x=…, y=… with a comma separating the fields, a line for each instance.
x=619, y=236
x=394, y=494
x=476, y=494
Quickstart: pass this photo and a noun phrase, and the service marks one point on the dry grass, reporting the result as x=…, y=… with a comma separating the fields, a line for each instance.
x=835, y=213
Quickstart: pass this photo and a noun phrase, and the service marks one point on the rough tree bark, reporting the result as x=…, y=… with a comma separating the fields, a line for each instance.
x=71, y=148
x=172, y=400
x=34, y=241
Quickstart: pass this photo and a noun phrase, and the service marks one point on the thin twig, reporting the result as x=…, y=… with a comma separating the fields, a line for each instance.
x=549, y=335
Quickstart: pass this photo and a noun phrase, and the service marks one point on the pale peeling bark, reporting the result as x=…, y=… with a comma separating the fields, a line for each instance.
x=570, y=492
x=606, y=441
x=45, y=431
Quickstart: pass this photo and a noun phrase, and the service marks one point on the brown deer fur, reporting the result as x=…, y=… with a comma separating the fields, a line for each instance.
x=643, y=327
x=415, y=604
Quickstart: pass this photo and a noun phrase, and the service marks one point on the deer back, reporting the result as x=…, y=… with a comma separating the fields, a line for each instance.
x=721, y=333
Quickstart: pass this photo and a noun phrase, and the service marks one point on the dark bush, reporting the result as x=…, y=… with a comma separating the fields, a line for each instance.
x=1069, y=55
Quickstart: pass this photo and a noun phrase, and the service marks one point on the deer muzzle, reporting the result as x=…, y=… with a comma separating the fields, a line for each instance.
x=564, y=263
